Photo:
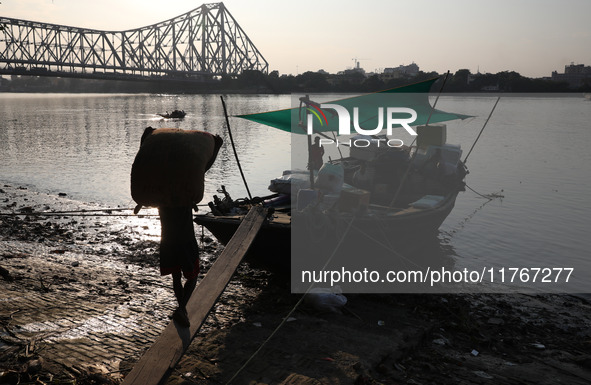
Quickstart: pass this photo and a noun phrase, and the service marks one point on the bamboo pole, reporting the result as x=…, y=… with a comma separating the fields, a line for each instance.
x=234, y=148
x=482, y=129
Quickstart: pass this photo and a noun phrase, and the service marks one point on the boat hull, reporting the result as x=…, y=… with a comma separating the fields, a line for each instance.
x=275, y=241
x=270, y=248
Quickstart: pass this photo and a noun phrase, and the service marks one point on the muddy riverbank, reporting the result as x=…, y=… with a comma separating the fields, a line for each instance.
x=81, y=299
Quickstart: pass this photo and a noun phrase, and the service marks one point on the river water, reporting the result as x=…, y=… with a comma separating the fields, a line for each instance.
x=534, y=149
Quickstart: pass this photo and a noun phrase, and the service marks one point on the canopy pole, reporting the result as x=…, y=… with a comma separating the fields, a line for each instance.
x=309, y=161
x=434, y=104
x=309, y=137
x=482, y=129
x=437, y=98
x=234, y=147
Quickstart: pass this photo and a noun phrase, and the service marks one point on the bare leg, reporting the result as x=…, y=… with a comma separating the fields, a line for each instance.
x=179, y=248
x=177, y=286
x=180, y=314
x=188, y=290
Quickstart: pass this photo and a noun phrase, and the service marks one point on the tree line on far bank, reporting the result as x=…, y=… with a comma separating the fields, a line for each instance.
x=312, y=82
x=461, y=81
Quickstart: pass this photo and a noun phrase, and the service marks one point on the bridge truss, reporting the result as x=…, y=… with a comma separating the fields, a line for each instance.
x=198, y=45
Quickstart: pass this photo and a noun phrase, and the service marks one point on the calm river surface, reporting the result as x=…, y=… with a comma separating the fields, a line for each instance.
x=536, y=149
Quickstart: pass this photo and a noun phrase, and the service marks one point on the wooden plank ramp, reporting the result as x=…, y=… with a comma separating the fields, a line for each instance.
x=157, y=363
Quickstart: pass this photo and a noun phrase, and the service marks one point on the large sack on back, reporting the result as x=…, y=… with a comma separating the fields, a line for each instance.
x=169, y=168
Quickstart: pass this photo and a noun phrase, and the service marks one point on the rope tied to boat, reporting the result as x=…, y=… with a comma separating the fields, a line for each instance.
x=294, y=308
x=489, y=198
x=106, y=212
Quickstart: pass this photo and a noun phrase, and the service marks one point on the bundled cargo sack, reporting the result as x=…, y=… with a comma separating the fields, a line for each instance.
x=169, y=168
x=330, y=178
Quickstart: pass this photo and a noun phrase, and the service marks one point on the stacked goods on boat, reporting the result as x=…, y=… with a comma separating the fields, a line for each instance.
x=374, y=173
x=431, y=140
x=437, y=163
x=376, y=168
x=367, y=148
x=291, y=182
x=354, y=199
x=387, y=172
x=329, y=189
x=169, y=168
x=433, y=135
x=294, y=187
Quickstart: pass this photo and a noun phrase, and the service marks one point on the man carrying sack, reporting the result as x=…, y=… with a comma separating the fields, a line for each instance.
x=169, y=173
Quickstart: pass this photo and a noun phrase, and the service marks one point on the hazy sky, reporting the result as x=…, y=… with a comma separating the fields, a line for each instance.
x=532, y=37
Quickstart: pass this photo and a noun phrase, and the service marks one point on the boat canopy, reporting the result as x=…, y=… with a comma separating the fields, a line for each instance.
x=326, y=119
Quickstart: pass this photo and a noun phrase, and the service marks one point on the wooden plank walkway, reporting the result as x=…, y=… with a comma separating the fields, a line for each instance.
x=157, y=363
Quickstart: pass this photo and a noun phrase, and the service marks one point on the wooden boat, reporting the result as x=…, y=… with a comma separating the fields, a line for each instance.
x=271, y=244
x=176, y=114
x=418, y=212
x=391, y=207
x=383, y=225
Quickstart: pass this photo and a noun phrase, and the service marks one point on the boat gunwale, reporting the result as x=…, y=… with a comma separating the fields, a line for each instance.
x=402, y=214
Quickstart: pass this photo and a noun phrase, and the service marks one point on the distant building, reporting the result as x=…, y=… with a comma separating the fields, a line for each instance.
x=574, y=74
x=355, y=75
x=353, y=71
x=402, y=71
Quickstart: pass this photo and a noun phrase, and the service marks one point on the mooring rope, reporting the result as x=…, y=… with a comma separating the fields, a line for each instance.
x=81, y=213
x=293, y=309
x=489, y=198
x=77, y=213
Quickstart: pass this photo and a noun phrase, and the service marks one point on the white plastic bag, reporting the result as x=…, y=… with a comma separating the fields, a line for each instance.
x=326, y=299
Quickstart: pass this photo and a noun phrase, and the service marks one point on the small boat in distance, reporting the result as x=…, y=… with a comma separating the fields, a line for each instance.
x=176, y=114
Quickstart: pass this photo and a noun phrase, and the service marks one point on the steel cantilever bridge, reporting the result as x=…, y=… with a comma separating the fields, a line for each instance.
x=199, y=45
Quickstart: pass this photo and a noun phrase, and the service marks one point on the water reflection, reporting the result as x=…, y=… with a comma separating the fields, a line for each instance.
x=84, y=144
